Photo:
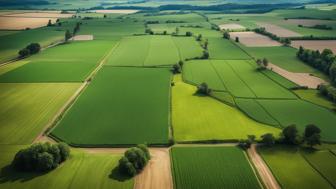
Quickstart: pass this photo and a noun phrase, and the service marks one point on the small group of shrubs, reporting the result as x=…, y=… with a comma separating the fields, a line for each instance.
x=328, y=91
x=134, y=160
x=318, y=26
x=41, y=157
x=30, y=49
x=289, y=135
x=203, y=89
x=262, y=64
x=325, y=61
x=226, y=35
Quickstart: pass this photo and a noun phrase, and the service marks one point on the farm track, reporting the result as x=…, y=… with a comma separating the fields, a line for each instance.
x=264, y=172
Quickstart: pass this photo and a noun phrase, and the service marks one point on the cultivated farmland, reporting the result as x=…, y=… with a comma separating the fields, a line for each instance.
x=109, y=110
x=316, y=44
x=202, y=167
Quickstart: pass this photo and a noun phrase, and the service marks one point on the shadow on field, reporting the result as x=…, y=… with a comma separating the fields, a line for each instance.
x=8, y=174
x=116, y=175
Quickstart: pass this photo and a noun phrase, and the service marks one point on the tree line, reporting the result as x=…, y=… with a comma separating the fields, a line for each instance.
x=30, y=49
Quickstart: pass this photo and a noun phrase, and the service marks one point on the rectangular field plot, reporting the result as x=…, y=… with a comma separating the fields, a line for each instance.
x=200, y=118
x=252, y=39
x=120, y=106
x=21, y=23
x=291, y=169
x=64, y=63
x=316, y=44
x=302, y=113
x=81, y=170
x=27, y=108
x=239, y=77
x=212, y=167
x=154, y=51
x=325, y=163
x=224, y=49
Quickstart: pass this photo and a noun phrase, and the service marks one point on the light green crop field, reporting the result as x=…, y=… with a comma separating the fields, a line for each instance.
x=325, y=163
x=71, y=62
x=211, y=119
x=239, y=77
x=279, y=79
x=8, y=67
x=81, y=170
x=120, y=106
x=313, y=96
x=302, y=113
x=291, y=169
x=154, y=51
x=212, y=167
x=223, y=49
x=27, y=108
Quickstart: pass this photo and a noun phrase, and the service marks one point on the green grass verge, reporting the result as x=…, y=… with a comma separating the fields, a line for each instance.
x=212, y=167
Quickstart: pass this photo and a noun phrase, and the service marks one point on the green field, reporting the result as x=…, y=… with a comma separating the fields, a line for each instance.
x=291, y=169
x=223, y=49
x=279, y=79
x=212, y=167
x=120, y=106
x=325, y=163
x=211, y=119
x=71, y=62
x=81, y=170
x=154, y=51
x=239, y=77
x=27, y=108
x=313, y=96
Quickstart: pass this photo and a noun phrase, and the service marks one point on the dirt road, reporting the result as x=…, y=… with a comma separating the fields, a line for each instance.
x=265, y=173
x=157, y=173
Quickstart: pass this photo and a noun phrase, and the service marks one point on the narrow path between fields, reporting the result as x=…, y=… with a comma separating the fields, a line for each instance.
x=264, y=172
x=302, y=79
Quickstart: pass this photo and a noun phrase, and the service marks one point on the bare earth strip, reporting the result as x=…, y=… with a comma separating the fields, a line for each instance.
x=302, y=79
x=316, y=44
x=231, y=26
x=157, y=173
x=82, y=38
x=277, y=30
x=263, y=170
x=40, y=15
x=252, y=39
x=130, y=11
x=18, y=23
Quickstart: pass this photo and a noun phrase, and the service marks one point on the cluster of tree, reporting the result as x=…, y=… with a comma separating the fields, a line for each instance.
x=262, y=64
x=30, y=49
x=174, y=21
x=214, y=27
x=150, y=31
x=152, y=22
x=191, y=26
x=41, y=157
x=199, y=37
x=67, y=35
x=177, y=68
x=237, y=39
x=325, y=61
x=203, y=89
x=76, y=28
x=262, y=31
x=226, y=35
x=318, y=26
x=328, y=91
x=189, y=34
x=134, y=160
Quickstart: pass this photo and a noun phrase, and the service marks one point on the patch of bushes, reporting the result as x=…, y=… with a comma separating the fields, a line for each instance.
x=30, y=49
x=41, y=157
x=203, y=89
x=318, y=26
x=328, y=91
x=134, y=160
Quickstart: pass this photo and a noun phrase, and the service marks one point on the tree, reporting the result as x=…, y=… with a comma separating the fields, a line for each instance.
x=165, y=32
x=77, y=28
x=64, y=151
x=312, y=135
x=237, y=39
x=105, y=15
x=181, y=63
x=45, y=162
x=177, y=30
x=34, y=48
x=226, y=35
x=206, y=43
x=268, y=139
x=176, y=69
x=49, y=23
x=290, y=135
x=287, y=42
x=205, y=55
x=246, y=144
x=24, y=53
x=199, y=37
x=188, y=34
x=203, y=89
x=67, y=35
x=265, y=62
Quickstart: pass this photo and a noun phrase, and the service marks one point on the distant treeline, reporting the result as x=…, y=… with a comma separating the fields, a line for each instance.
x=229, y=7
x=8, y=3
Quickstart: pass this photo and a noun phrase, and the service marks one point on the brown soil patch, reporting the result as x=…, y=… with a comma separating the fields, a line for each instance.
x=302, y=79
x=316, y=44
x=19, y=23
x=279, y=31
x=157, y=173
x=130, y=11
x=252, y=39
x=40, y=15
x=308, y=22
x=263, y=170
x=82, y=38
x=231, y=27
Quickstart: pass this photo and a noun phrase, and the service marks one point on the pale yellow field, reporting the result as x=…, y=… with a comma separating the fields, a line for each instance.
x=40, y=15
x=19, y=23
x=252, y=39
x=316, y=44
x=277, y=30
x=231, y=26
